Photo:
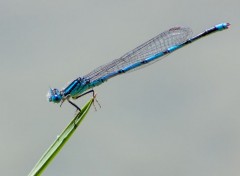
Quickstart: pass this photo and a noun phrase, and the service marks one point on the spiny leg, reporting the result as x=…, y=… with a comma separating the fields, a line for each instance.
x=93, y=94
x=90, y=91
x=78, y=109
x=74, y=105
x=97, y=102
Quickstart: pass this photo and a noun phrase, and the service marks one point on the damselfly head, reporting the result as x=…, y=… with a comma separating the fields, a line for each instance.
x=54, y=96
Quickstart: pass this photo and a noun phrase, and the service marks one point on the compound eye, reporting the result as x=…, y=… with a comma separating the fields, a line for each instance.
x=56, y=97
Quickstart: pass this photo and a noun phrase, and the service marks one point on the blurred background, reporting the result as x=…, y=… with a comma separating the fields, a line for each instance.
x=179, y=116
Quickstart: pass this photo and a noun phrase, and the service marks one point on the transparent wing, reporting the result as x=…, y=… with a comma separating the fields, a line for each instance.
x=160, y=43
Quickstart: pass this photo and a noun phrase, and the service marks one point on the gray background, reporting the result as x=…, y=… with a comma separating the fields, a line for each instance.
x=177, y=117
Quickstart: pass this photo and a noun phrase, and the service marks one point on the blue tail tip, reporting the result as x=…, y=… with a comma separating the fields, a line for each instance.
x=223, y=26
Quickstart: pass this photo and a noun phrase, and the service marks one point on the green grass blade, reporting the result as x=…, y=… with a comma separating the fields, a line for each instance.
x=60, y=141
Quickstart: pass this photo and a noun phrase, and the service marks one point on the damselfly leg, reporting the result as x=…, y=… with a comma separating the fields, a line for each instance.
x=78, y=109
x=94, y=96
